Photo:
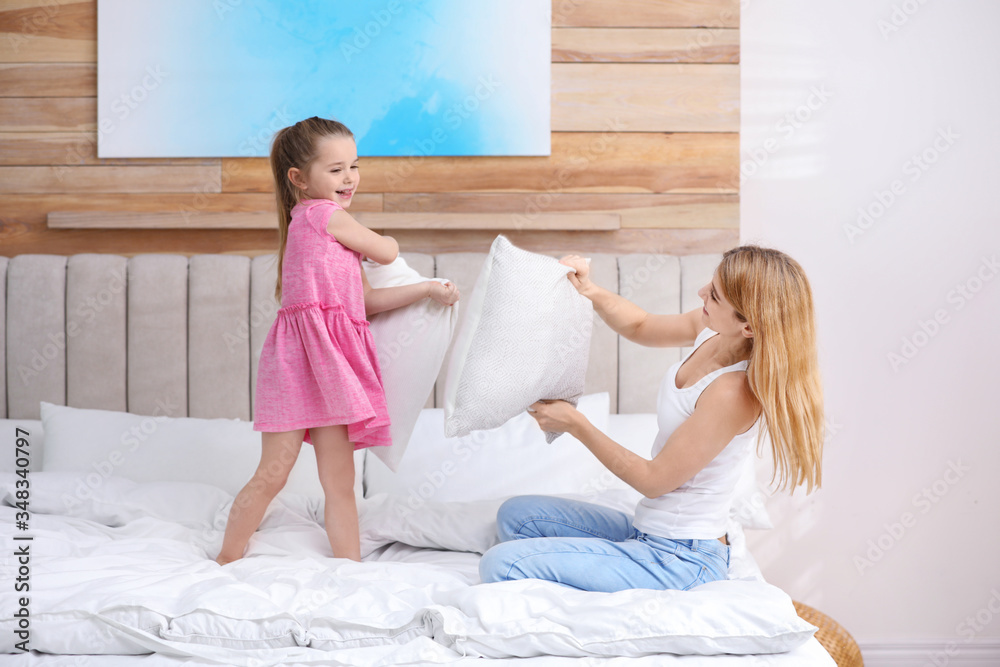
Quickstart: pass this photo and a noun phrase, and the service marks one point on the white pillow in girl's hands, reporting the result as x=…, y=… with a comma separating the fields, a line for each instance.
x=411, y=343
x=524, y=337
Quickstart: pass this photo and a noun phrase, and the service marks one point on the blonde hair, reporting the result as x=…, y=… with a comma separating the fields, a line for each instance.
x=769, y=290
x=295, y=146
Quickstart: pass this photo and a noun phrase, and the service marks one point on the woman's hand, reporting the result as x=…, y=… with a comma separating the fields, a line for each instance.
x=444, y=293
x=557, y=416
x=581, y=278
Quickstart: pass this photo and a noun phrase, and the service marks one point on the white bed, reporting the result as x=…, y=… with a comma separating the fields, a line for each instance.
x=120, y=562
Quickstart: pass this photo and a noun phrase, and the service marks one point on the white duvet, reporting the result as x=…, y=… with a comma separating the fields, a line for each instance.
x=121, y=568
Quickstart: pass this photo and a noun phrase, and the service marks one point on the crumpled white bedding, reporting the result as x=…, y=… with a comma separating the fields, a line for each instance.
x=120, y=568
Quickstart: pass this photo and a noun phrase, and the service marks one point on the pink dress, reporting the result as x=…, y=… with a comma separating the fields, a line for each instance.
x=318, y=366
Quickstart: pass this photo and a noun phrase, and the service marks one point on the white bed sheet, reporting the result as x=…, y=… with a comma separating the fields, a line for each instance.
x=126, y=569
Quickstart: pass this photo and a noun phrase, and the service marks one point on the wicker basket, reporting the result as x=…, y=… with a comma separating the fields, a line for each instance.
x=834, y=638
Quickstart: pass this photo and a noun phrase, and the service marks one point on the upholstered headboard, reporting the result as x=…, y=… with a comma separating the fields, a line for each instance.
x=180, y=336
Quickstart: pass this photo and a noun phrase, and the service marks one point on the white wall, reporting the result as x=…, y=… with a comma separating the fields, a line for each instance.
x=867, y=549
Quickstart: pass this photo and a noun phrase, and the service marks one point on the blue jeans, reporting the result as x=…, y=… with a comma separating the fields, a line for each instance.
x=593, y=548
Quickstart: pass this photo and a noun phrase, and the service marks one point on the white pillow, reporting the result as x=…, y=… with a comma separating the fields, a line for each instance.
x=525, y=336
x=221, y=452
x=116, y=501
x=411, y=344
x=507, y=461
x=528, y=617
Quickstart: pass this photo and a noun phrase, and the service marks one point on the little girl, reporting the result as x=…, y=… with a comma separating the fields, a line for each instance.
x=319, y=378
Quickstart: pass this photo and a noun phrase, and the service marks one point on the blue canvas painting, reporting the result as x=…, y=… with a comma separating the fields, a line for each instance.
x=217, y=78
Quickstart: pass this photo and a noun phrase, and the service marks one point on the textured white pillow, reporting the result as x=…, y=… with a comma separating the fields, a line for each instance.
x=507, y=461
x=221, y=452
x=525, y=336
x=411, y=344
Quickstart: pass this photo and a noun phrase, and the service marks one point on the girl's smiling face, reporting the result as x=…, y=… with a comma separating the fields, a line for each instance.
x=333, y=174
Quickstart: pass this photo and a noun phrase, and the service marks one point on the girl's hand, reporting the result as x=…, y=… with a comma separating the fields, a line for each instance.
x=557, y=416
x=580, y=279
x=444, y=293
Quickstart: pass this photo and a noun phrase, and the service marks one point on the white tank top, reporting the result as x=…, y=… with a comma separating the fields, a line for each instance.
x=699, y=508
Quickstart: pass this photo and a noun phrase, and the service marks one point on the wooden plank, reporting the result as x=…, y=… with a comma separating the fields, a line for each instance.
x=531, y=203
x=47, y=114
x=646, y=13
x=667, y=241
x=268, y=220
x=585, y=97
x=23, y=239
x=162, y=220
x=627, y=161
x=645, y=97
x=636, y=210
x=35, y=31
x=19, y=240
x=645, y=45
x=197, y=178
x=32, y=209
x=70, y=148
x=48, y=79
x=500, y=221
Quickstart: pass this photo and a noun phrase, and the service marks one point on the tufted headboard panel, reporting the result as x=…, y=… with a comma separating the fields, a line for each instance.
x=180, y=336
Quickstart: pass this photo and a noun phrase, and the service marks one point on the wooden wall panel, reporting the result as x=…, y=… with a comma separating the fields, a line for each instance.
x=47, y=114
x=645, y=45
x=645, y=108
x=645, y=97
x=199, y=178
x=55, y=31
x=48, y=80
x=646, y=13
x=611, y=161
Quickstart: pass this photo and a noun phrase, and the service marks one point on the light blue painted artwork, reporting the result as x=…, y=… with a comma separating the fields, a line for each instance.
x=217, y=78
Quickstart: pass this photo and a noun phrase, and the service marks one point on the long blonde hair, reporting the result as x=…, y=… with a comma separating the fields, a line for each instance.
x=295, y=146
x=770, y=292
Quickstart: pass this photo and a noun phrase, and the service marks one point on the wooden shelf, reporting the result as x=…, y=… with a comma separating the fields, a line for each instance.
x=578, y=221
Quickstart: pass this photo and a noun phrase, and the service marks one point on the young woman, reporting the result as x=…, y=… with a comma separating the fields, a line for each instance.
x=752, y=373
